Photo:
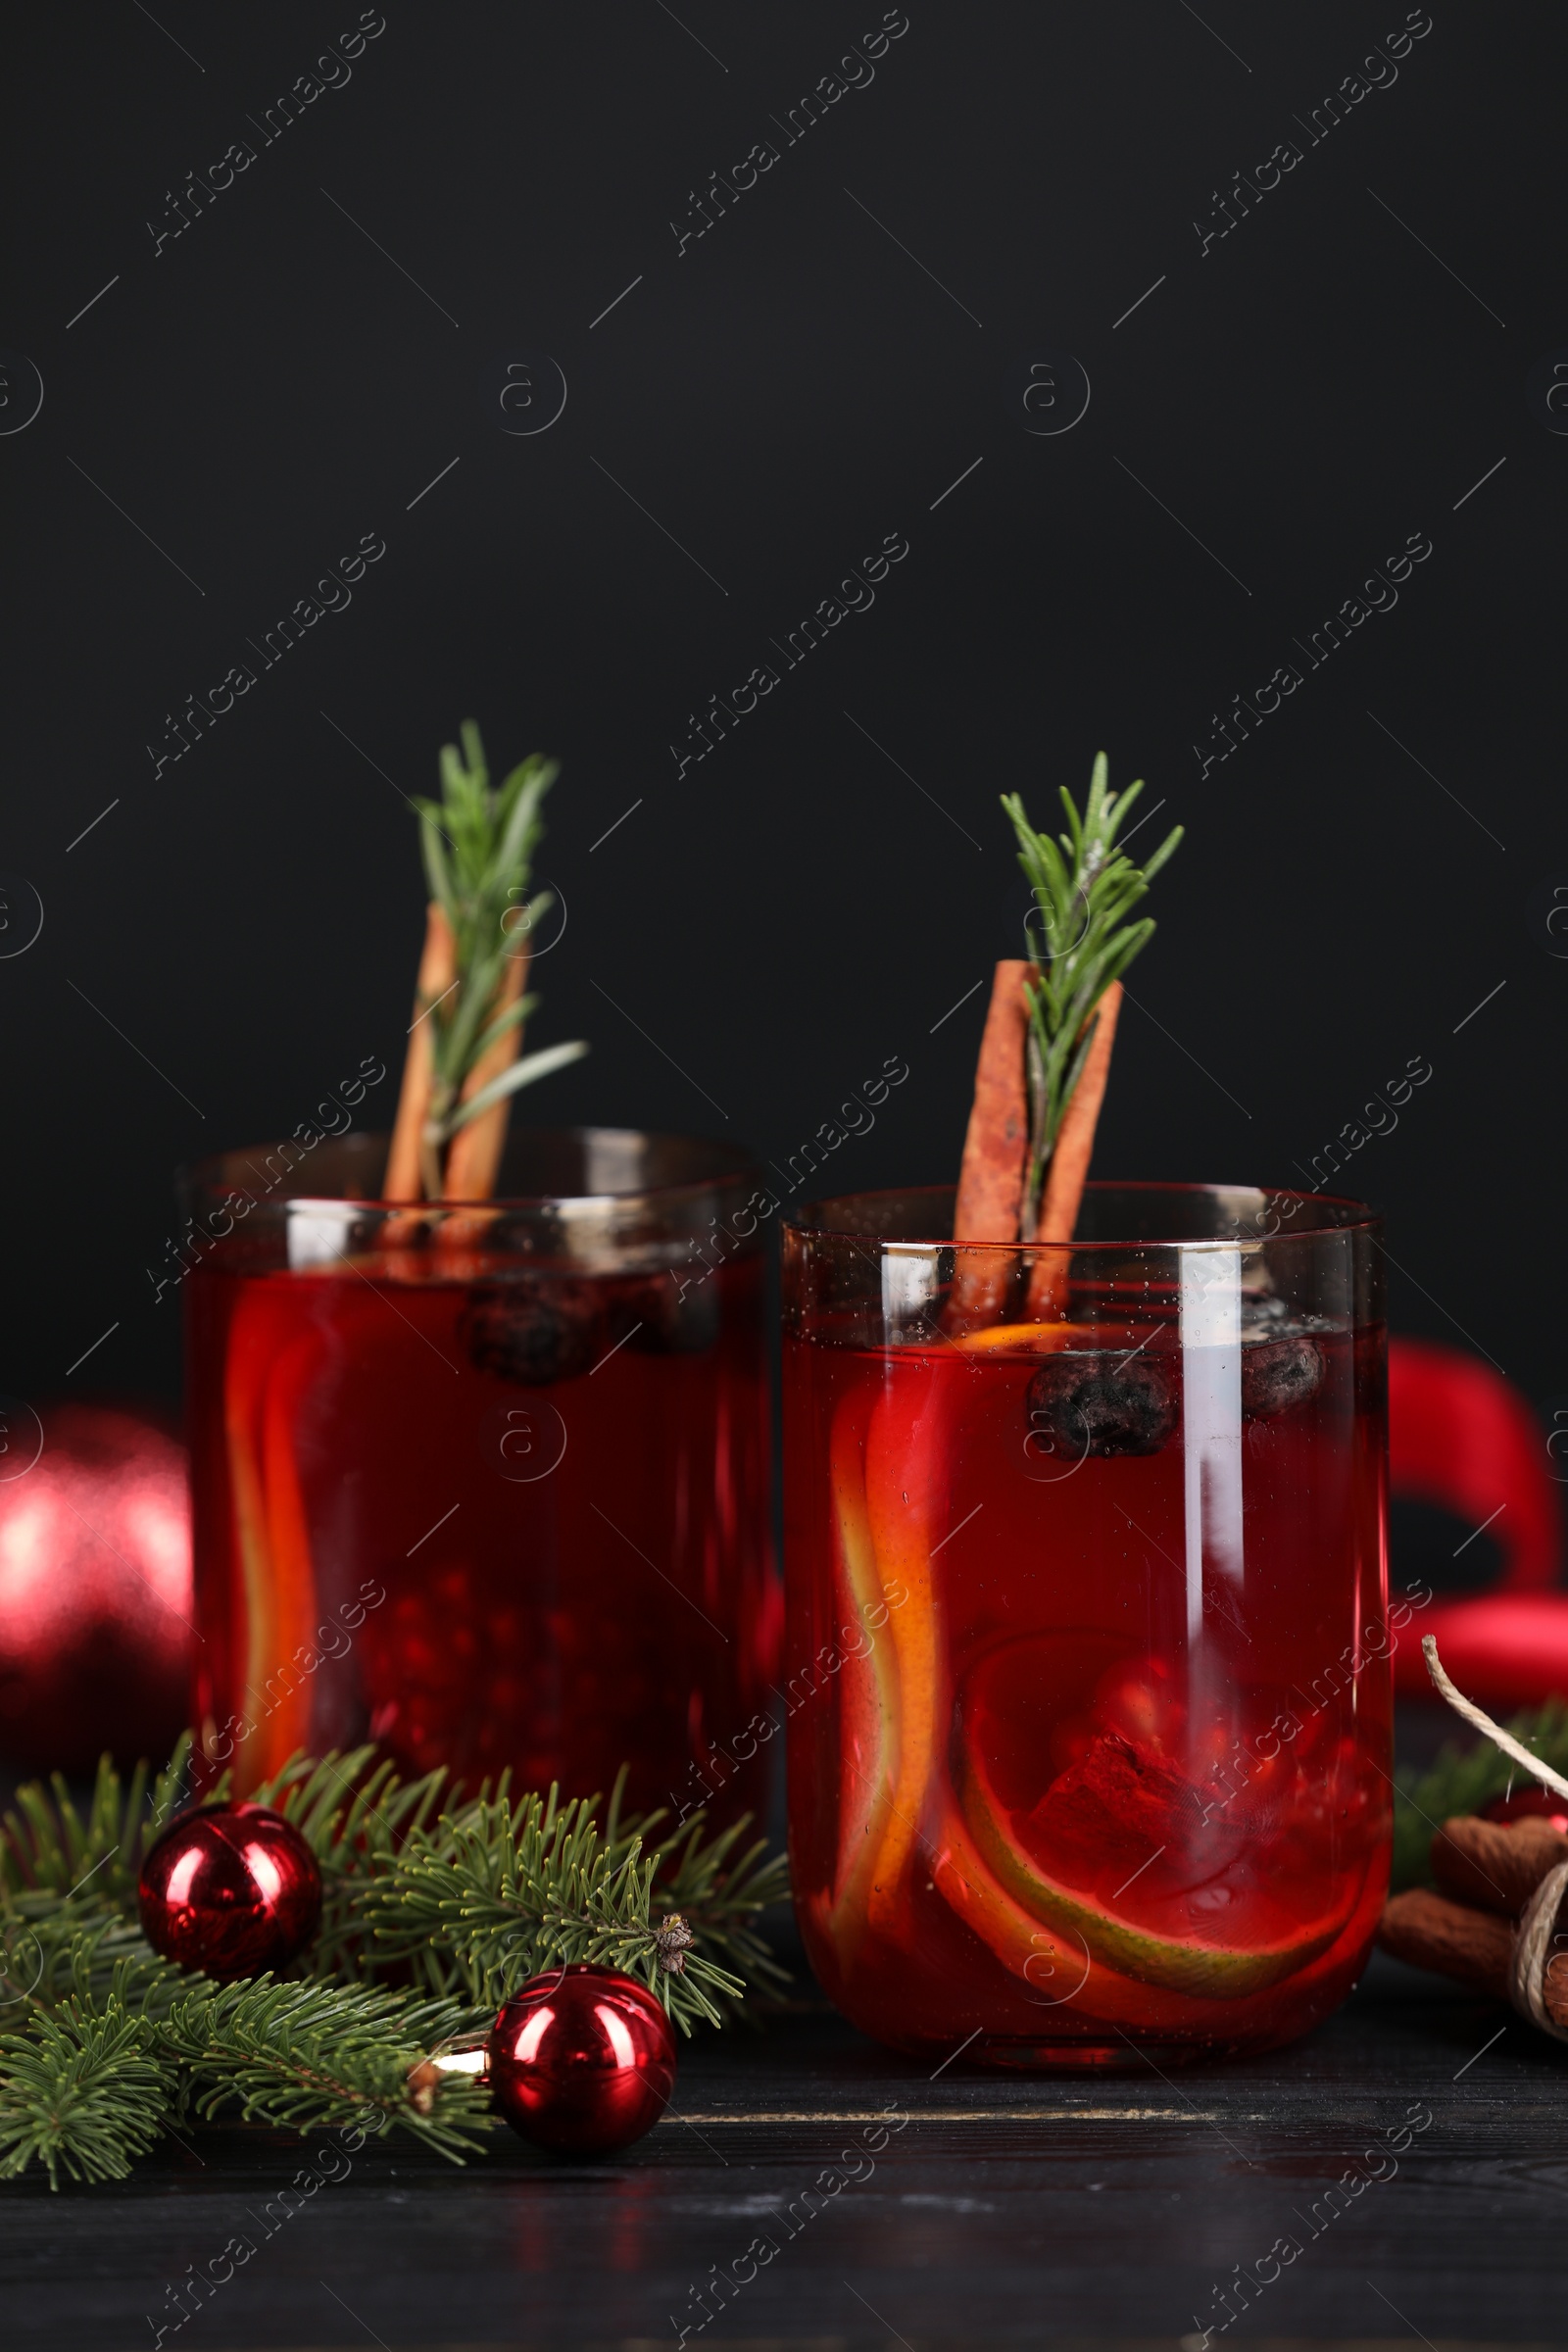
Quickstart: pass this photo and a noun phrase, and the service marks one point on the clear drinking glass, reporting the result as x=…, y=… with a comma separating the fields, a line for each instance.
x=1087, y=1633
x=486, y=1486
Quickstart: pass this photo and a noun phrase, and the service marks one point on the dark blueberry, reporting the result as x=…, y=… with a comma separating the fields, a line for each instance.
x=543, y=1328
x=670, y=1324
x=1277, y=1374
x=1103, y=1404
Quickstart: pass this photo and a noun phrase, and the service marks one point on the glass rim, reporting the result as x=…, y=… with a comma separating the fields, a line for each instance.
x=219, y=1171
x=814, y=1218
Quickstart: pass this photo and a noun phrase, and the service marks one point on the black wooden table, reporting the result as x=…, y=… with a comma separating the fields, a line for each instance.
x=972, y=2209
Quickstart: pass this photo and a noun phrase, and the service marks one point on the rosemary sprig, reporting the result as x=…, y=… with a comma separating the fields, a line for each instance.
x=1084, y=887
x=479, y=843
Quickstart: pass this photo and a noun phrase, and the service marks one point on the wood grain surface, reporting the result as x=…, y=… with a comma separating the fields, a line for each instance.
x=1004, y=2209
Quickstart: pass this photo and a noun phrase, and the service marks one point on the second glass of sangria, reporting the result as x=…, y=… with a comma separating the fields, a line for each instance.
x=1087, y=1633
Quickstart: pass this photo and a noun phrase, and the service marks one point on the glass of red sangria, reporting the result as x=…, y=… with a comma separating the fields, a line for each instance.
x=1087, y=1636
x=487, y=1486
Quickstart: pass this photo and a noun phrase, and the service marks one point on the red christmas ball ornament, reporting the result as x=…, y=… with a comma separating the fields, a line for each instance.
x=230, y=1889
x=1529, y=1804
x=581, y=2060
x=95, y=1586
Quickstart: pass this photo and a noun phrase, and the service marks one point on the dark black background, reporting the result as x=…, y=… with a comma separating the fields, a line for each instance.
x=1304, y=395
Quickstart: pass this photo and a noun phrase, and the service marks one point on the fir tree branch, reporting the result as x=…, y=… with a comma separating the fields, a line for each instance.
x=84, y=2092
x=360, y=1821
x=1083, y=889
x=509, y=1889
x=309, y=2056
x=52, y=1947
x=107, y=2039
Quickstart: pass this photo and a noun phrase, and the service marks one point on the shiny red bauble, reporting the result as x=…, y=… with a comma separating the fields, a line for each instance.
x=582, y=2061
x=1529, y=1804
x=230, y=1889
x=95, y=1586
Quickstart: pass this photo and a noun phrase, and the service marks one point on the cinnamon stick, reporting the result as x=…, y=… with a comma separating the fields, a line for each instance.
x=1430, y=1930
x=437, y=972
x=997, y=1140
x=474, y=1157
x=991, y=1182
x=1068, y=1170
x=996, y=1145
x=1494, y=1865
x=1523, y=1964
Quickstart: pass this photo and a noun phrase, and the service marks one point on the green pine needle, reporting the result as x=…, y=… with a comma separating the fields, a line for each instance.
x=1084, y=888
x=478, y=845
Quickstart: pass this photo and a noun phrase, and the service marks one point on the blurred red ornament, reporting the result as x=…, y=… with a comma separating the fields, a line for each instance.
x=230, y=1889
x=95, y=1586
x=1531, y=1805
x=582, y=2061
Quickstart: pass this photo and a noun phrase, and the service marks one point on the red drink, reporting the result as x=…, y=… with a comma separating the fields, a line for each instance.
x=484, y=1493
x=1087, y=1642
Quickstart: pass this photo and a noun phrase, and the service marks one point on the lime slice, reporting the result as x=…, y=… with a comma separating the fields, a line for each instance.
x=1054, y=1965
x=1181, y=1964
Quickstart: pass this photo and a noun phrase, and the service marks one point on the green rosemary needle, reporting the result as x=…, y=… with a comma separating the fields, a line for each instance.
x=1083, y=889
